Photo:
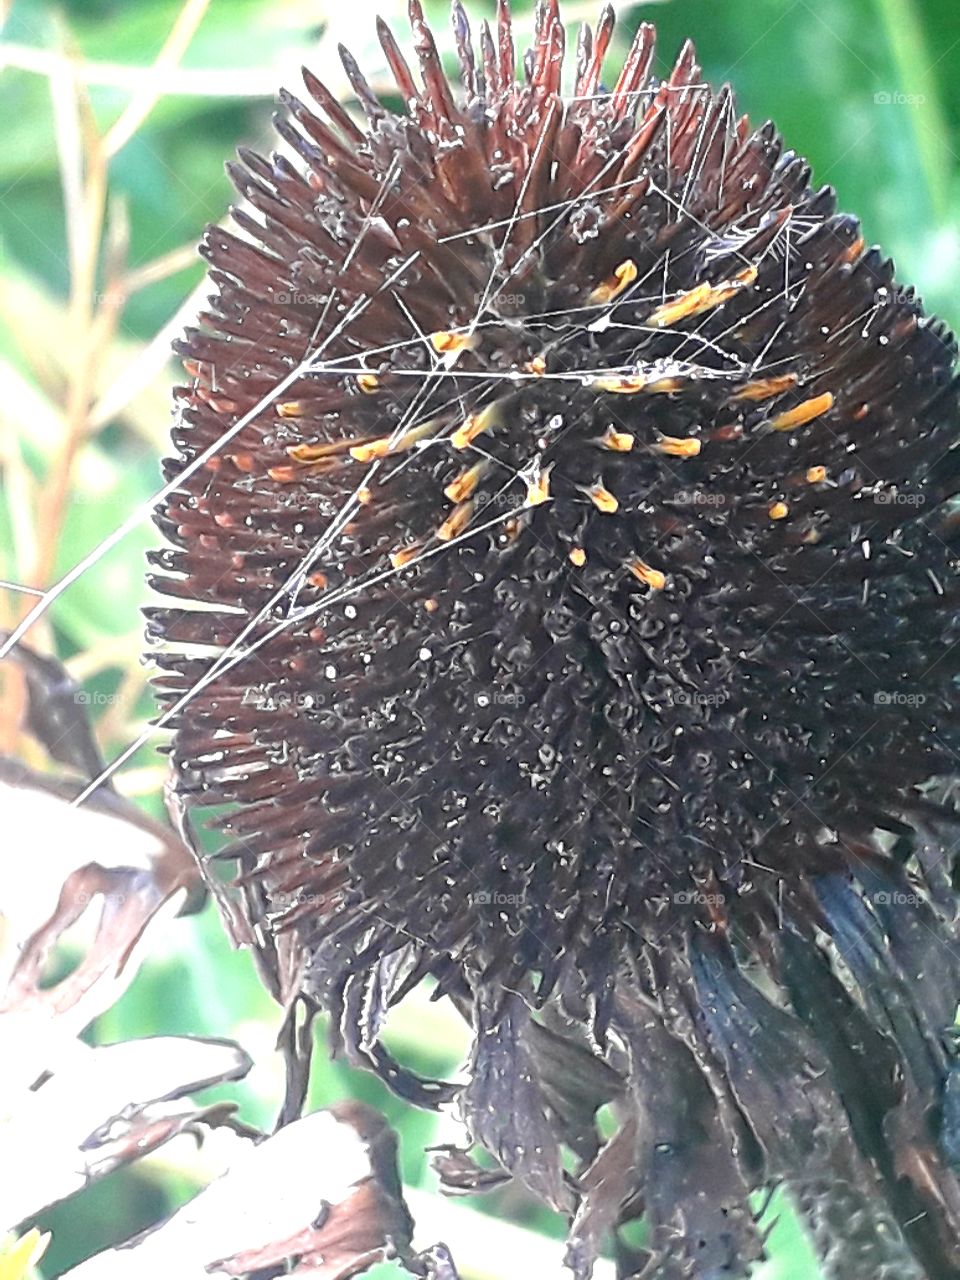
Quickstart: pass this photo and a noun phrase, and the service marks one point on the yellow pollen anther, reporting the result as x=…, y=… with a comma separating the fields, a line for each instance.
x=803, y=413
x=679, y=446
x=403, y=557
x=617, y=441
x=290, y=475
x=778, y=511
x=372, y=449
x=652, y=578
x=473, y=425
x=703, y=297
x=578, y=557
x=538, y=488
x=816, y=474
x=766, y=388
x=290, y=409
x=536, y=366
x=465, y=483
x=431, y=605
x=315, y=452
x=455, y=522
x=602, y=498
x=663, y=386
x=444, y=342
x=620, y=385
x=367, y=382
x=622, y=278
x=855, y=250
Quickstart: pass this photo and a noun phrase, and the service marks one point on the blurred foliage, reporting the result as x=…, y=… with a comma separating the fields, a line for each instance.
x=92, y=285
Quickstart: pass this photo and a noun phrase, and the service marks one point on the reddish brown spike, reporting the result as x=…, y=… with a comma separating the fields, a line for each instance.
x=649, y=128
x=584, y=51
x=434, y=80
x=687, y=70
x=538, y=176
x=549, y=48
x=330, y=106
x=636, y=69
x=397, y=62
x=372, y=107
x=505, y=47
x=491, y=68
x=601, y=42
x=320, y=133
x=465, y=52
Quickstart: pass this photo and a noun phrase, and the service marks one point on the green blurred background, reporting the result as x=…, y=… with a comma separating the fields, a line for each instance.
x=98, y=272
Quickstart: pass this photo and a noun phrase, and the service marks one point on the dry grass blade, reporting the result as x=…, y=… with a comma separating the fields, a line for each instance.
x=152, y=82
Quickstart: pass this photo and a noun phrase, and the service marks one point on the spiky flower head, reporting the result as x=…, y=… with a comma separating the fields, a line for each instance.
x=565, y=487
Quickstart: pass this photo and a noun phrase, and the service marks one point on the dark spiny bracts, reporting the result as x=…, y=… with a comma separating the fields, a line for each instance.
x=597, y=556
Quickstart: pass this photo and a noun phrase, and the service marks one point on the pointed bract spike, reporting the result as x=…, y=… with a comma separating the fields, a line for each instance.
x=584, y=50
x=371, y=104
x=636, y=69
x=431, y=68
x=505, y=48
x=465, y=50
x=488, y=53
x=330, y=105
x=397, y=62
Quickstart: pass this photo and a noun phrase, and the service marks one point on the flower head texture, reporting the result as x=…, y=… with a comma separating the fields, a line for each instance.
x=563, y=589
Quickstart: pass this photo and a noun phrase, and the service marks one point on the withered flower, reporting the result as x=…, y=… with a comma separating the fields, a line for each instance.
x=578, y=590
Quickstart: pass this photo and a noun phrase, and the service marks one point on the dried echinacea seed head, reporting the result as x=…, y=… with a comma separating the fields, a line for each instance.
x=578, y=586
